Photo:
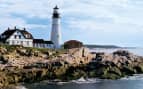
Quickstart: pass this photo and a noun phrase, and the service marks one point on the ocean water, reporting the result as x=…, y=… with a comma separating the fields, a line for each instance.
x=137, y=51
x=133, y=82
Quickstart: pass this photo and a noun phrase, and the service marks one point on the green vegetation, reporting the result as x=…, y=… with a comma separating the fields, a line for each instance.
x=101, y=46
x=30, y=51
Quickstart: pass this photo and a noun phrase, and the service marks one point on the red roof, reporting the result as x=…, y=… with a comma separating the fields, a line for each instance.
x=73, y=41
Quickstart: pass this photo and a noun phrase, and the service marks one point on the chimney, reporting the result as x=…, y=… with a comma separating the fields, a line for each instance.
x=24, y=29
x=8, y=28
x=15, y=28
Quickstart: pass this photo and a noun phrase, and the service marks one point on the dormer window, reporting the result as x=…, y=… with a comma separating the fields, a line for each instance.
x=27, y=36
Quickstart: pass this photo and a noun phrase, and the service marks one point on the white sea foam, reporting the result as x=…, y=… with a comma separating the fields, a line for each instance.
x=137, y=51
x=135, y=77
x=20, y=87
x=81, y=80
x=85, y=80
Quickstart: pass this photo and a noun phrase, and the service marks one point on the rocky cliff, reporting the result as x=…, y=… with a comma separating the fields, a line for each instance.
x=20, y=57
x=19, y=64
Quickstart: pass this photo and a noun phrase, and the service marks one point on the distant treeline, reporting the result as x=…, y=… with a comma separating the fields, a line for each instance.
x=102, y=46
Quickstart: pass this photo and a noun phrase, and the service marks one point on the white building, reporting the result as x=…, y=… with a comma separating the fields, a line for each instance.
x=22, y=37
x=40, y=43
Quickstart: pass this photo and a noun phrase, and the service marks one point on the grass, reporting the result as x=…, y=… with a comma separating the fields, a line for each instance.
x=31, y=50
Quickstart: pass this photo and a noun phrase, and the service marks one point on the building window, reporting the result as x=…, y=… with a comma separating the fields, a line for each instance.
x=27, y=36
x=36, y=45
x=19, y=36
x=27, y=42
x=21, y=42
x=12, y=42
x=39, y=45
x=15, y=36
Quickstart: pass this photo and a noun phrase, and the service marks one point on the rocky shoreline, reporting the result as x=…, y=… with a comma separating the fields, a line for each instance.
x=28, y=65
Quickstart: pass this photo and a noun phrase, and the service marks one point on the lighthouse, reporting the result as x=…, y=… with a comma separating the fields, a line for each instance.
x=55, y=33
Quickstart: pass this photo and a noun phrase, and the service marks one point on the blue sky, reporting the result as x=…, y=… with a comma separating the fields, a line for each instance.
x=116, y=22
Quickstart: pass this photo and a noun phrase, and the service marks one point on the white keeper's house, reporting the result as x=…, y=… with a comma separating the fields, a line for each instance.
x=24, y=38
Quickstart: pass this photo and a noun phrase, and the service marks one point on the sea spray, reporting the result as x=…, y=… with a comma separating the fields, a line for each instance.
x=20, y=87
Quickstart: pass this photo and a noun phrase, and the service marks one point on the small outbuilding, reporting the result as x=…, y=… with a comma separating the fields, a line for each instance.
x=72, y=44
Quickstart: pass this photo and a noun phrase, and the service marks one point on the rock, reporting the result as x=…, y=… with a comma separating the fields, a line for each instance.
x=3, y=50
x=31, y=65
x=77, y=56
x=122, y=53
x=79, y=52
x=85, y=52
x=39, y=54
x=22, y=52
x=2, y=60
x=139, y=68
x=118, y=57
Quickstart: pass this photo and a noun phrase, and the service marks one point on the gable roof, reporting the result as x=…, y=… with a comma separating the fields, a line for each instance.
x=9, y=32
x=24, y=32
x=72, y=41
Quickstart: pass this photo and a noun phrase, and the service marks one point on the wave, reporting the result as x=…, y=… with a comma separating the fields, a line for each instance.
x=20, y=87
x=135, y=77
x=83, y=80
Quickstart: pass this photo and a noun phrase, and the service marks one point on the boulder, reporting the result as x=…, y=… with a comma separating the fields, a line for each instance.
x=3, y=60
x=79, y=52
x=122, y=53
x=3, y=50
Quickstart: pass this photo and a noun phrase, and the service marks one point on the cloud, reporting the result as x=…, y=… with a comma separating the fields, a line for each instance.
x=91, y=18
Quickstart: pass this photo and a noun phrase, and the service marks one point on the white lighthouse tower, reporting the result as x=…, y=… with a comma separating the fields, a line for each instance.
x=55, y=33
